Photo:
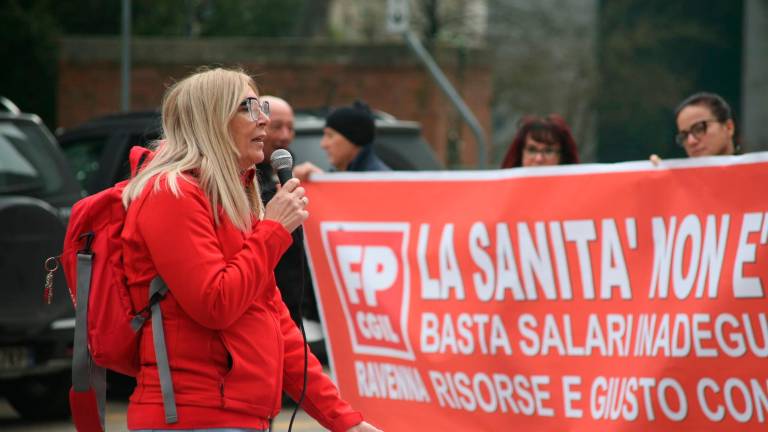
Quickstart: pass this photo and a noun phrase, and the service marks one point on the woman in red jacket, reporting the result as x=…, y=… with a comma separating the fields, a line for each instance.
x=196, y=220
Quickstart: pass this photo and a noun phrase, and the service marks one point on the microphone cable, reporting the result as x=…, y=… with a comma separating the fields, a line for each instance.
x=281, y=161
x=300, y=316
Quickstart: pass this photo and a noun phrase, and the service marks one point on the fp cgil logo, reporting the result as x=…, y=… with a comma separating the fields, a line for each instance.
x=370, y=271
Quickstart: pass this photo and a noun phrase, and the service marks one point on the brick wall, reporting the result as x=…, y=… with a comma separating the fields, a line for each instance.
x=309, y=74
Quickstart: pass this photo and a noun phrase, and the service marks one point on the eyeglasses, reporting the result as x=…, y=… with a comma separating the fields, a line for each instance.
x=698, y=130
x=254, y=106
x=546, y=152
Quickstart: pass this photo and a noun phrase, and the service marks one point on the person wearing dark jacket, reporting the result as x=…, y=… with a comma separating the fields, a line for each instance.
x=292, y=272
x=348, y=142
x=280, y=134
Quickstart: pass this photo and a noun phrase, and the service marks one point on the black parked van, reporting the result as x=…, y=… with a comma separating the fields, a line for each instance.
x=98, y=149
x=37, y=190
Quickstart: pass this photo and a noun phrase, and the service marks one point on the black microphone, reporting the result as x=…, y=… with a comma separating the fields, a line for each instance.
x=282, y=163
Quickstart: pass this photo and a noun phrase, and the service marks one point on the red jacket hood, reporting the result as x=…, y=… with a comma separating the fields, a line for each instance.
x=139, y=157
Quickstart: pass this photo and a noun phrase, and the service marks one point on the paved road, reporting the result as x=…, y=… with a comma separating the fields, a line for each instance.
x=10, y=421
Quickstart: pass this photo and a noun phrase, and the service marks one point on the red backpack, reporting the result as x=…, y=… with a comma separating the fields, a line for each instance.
x=106, y=323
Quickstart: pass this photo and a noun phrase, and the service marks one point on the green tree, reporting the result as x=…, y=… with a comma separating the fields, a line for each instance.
x=30, y=30
x=652, y=54
x=92, y=17
x=190, y=18
x=28, y=76
x=262, y=18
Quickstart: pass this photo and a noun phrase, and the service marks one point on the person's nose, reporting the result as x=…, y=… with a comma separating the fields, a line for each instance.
x=691, y=139
x=263, y=119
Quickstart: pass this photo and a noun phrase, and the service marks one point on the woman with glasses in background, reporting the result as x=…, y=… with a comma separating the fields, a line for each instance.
x=705, y=126
x=195, y=219
x=541, y=142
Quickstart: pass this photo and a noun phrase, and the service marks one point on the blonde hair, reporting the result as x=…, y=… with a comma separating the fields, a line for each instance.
x=196, y=137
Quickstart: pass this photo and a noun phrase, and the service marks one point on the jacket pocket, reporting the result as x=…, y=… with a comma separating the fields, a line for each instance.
x=254, y=381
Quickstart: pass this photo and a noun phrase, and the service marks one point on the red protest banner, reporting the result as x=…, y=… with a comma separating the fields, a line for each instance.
x=618, y=297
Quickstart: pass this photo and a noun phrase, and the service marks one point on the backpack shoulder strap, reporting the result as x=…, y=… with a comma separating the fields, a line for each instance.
x=157, y=291
x=89, y=380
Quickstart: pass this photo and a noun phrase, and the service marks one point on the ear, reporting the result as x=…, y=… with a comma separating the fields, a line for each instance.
x=730, y=127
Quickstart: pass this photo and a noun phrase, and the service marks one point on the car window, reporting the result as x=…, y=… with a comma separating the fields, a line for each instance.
x=306, y=148
x=400, y=150
x=405, y=151
x=25, y=165
x=84, y=156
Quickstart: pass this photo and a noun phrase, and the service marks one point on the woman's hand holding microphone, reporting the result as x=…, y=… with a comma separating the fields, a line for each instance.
x=288, y=206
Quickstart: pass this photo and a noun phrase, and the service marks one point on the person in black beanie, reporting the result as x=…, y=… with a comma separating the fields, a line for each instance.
x=348, y=142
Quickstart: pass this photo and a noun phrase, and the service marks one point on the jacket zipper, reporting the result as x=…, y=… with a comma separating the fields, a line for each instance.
x=223, y=378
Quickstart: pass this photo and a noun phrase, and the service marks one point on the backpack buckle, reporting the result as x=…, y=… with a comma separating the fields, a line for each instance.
x=138, y=321
x=88, y=241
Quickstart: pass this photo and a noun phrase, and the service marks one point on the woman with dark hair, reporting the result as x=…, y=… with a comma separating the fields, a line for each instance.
x=705, y=126
x=540, y=142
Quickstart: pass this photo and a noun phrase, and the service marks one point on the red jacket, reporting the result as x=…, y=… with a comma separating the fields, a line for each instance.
x=232, y=345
